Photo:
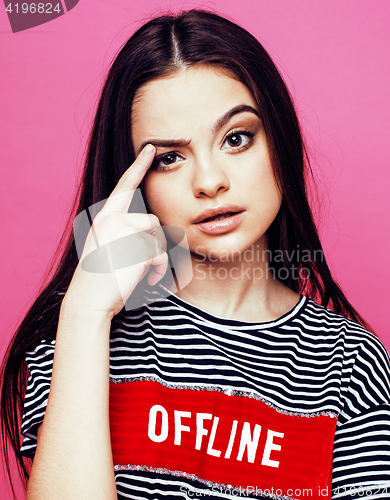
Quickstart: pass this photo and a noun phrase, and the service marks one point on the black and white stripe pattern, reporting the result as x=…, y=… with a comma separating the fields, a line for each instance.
x=308, y=361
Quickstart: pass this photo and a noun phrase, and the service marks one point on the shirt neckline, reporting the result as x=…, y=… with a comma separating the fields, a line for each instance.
x=292, y=313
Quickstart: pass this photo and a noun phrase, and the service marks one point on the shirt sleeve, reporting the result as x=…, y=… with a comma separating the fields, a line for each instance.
x=361, y=449
x=40, y=366
x=361, y=456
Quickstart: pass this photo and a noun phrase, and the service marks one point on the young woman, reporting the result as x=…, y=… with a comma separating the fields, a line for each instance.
x=177, y=350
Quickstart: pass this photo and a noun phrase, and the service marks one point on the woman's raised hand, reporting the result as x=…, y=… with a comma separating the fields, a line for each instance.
x=121, y=247
x=74, y=457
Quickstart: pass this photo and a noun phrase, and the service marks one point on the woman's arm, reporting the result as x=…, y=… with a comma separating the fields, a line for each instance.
x=73, y=459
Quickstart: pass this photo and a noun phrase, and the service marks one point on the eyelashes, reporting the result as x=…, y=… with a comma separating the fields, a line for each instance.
x=165, y=161
x=236, y=141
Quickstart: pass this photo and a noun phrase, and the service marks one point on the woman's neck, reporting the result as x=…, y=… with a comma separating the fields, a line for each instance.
x=242, y=288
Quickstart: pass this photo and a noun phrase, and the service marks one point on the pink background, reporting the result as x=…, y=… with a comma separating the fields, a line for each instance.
x=334, y=55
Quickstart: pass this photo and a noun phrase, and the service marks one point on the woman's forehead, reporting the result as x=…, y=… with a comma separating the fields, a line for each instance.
x=187, y=98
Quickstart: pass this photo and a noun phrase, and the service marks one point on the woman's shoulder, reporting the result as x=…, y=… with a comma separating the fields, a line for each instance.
x=318, y=317
x=340, y=340
x=362, y=350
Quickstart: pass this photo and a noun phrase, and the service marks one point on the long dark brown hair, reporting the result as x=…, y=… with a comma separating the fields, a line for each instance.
x=158, y=48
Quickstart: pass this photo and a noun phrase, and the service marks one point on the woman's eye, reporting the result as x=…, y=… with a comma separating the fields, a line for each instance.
x=238, y=140
x=168, y=159
x=166, y=162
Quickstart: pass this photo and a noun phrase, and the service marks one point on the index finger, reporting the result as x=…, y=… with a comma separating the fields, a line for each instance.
x=120, y=198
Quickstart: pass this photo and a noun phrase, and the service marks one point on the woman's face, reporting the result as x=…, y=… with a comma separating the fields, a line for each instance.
x=211, y=154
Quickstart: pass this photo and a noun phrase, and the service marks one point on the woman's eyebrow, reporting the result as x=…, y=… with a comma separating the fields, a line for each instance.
x=241, y=108
x=165, y=143
x=177, y=143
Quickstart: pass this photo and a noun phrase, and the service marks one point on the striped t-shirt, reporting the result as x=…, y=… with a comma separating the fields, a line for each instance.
x=203, y=406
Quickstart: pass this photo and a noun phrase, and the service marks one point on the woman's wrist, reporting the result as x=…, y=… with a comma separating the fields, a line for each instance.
x=84, y=310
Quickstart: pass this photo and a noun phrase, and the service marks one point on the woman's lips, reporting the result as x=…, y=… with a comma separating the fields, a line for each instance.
x=221, y=223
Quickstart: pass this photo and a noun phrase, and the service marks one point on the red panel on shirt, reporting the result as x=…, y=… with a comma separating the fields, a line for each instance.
x=224, y=439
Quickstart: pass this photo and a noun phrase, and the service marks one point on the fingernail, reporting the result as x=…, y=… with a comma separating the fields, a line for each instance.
x=149, y=149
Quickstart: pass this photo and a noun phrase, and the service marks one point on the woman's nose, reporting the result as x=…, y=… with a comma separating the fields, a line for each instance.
x=209, y=178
